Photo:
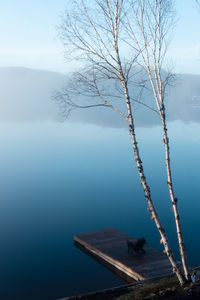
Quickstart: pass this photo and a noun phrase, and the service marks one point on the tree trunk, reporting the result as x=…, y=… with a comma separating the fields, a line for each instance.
x=173, y=198
x=147, y=192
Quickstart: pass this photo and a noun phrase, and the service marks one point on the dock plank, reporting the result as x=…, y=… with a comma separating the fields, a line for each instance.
x=109, y=247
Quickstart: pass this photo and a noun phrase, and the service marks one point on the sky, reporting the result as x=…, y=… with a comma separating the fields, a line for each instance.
x=29, y=37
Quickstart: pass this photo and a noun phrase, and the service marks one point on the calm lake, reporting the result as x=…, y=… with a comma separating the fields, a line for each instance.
x=58, y=180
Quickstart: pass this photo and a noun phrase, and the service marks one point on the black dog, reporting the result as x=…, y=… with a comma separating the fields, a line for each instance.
x=136, y=246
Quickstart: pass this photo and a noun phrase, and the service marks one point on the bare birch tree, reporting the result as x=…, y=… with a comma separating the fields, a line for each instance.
x=153, y=19
x=95, y=33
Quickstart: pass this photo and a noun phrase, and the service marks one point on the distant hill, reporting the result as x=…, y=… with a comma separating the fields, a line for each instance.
x=183, y=101
x=25, y=95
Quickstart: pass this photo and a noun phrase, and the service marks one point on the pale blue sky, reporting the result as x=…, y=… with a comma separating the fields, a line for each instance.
x=29, y=38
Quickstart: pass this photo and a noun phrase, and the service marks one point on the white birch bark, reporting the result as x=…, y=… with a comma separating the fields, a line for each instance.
x=138, y=160
x=147, y=192
x=153, y=25
x=174, y=199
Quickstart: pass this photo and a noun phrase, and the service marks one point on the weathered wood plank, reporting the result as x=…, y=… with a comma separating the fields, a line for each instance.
x=109, y=247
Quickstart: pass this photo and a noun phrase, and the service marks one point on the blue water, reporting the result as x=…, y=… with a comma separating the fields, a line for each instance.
x=58, y=180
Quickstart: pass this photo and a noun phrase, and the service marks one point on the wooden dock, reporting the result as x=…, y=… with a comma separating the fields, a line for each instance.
x=109, y=247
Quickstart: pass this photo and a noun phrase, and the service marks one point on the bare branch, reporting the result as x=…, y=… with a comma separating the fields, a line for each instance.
x=144, y=104
x=109, y=104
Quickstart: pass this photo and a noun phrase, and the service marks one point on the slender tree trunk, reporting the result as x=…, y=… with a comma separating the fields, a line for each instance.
x=138, y=160
x=173, y=198
x=148, y=193
x=153, y=20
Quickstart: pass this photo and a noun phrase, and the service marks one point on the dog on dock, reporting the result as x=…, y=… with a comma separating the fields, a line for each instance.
x=136, y=246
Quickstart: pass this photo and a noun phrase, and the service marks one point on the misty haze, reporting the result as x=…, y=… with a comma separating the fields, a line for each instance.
x=27, y=95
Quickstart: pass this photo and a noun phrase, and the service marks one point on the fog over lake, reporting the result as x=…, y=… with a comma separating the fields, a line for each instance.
x=26, y=95
x=61, y=179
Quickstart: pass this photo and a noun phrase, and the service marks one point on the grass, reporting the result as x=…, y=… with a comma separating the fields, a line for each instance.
x=152, y=288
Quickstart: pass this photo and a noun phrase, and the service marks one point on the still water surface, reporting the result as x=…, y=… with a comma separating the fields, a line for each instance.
x=58, y=180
